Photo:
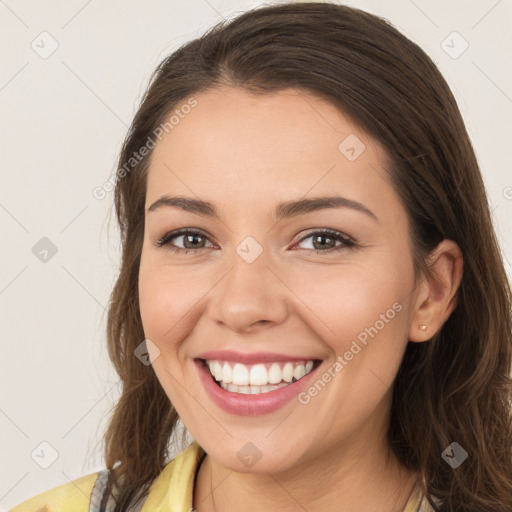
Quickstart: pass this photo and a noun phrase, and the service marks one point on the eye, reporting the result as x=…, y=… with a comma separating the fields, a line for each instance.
x=325, y=240
x=192, y=240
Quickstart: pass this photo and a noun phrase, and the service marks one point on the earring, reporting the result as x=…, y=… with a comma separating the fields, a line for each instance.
x=423, y=327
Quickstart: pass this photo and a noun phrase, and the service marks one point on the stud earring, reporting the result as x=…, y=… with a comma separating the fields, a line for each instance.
x=423, y=327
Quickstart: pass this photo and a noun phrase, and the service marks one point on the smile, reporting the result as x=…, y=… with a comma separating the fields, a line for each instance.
x=257, y=378
x=254, y=384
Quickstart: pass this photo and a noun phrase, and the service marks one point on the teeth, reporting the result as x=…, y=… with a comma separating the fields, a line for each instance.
x=251, y=390
x=227, y=374
x=217, y=370
x=299, y=371
x=288, y=372
x=258, y=375
x=275, y=375
x=240, y=375
x=258, y=378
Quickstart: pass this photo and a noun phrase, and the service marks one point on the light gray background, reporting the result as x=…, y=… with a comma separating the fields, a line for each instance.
x=62, y=122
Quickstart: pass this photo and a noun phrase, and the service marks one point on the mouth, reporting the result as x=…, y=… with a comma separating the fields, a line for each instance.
x=245, y=389
x=254, y=379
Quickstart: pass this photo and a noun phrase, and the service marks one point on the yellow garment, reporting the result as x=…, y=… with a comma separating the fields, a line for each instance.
x=73, y=496
x=172, y=491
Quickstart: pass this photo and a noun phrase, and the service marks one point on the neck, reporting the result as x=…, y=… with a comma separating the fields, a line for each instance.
x=342, y=479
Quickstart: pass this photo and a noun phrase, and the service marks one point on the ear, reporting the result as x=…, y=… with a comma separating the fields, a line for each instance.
x=436, y=294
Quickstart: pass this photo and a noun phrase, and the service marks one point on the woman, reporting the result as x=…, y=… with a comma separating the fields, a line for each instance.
x=310, y=281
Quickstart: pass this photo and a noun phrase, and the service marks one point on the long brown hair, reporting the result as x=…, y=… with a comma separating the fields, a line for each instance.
x=455, y=387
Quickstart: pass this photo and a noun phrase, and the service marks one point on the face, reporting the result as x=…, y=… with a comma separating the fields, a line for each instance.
x=303, y=312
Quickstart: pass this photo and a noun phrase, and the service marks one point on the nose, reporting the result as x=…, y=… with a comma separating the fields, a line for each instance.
x=249, y=296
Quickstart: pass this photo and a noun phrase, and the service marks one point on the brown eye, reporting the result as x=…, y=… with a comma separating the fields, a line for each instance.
x=190, y=239
x=328, y=240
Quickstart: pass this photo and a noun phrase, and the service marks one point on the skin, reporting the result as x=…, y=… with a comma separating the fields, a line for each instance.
x=245, y=154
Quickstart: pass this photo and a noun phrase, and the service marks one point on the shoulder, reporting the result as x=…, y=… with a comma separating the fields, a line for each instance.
x=87, y=494
x=72, y=496
x=175, y=484
x=418, y=501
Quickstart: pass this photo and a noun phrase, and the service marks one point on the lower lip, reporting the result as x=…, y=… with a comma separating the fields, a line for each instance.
x=251, y=405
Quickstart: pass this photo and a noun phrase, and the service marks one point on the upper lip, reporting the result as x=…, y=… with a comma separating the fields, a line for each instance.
x=251, y=358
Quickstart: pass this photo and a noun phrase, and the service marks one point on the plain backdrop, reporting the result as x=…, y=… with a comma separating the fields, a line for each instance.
x=71, y=77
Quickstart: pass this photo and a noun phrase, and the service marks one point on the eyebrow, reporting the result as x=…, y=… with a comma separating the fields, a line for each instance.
x=283, y=210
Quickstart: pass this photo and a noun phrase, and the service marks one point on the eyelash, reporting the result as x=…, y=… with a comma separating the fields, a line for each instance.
x=328, y=233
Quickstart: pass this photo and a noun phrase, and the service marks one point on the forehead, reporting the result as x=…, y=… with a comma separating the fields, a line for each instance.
x=235, y=146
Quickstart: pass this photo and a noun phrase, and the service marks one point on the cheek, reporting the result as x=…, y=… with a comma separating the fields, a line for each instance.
x=153, y=301
x=346, y=301
x=366, y=314
x=365, y=310
x=164, y=302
